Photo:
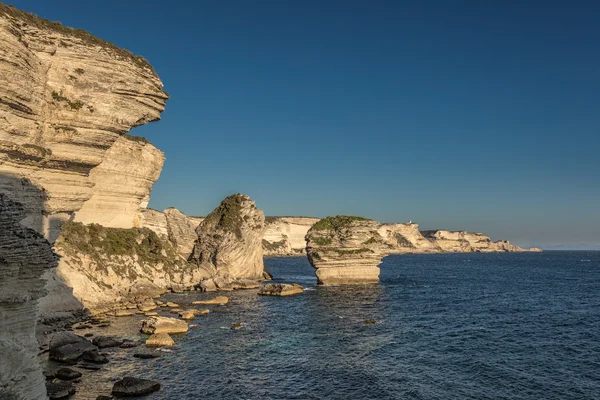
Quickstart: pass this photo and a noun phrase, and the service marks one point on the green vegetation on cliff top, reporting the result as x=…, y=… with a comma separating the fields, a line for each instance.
x=228, y=216
x=85, y=36
x=335, y=223
x=101, y=244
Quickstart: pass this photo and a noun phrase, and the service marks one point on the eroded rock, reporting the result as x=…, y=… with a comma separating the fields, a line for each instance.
x=131, y=387
x=345, y=250
x=280, y=289
x=160, y=340
x=157, y=324
x=230, y=240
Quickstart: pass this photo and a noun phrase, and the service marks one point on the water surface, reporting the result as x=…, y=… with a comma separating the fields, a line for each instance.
x=468, y=326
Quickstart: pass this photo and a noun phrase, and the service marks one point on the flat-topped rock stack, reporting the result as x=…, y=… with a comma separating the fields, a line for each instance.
x=345, y=250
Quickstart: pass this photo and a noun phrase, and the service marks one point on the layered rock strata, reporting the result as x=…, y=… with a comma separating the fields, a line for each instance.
x=406, y=238
x=173, y=225
x=462, y=241
x=67, y=100
x=24, y=257
x=229, y=241
x=66, y=97
x=345, y=250
x=284, y=236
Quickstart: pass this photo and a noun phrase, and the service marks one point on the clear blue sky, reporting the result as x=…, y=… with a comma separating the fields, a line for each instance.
x=477, y=115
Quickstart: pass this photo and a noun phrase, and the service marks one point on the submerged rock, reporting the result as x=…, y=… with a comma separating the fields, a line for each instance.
x=146, y=355
x=154, y=325
x=128, y=344
x=130, y=387
x=280, y=289
x=236, y=326
x=160, y=340
x=345, y=250
x=60, y=390
x=95, y=357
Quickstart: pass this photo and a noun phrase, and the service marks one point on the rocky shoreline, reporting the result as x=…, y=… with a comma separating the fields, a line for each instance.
x=150, y=331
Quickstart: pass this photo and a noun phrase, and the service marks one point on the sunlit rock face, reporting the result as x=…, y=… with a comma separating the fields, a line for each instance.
x=284, y=236
x=406, y=238
x=462, y=241
x=66, y=98
x=67, y=101
x=345, y=250
x=230, y=240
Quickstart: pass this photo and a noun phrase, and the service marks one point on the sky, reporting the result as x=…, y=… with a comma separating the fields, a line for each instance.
x=469, y=115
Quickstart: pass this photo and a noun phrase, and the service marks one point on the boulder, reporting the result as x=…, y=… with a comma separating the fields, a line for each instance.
x=217, y=300
x=280, y=289
x=131, y=387
x=67, y=374
x=93, y=356
x=107, y=341
x=71, y=352
x=236, y=326
x=202, y=311
x=172, y=305
x=187, y=314
x=208, y=285
x=128, y=344
x=154, y=325
x=244, y=284
x=60, y=390
x=160, y=340
x=124, y=313
x=147, y=305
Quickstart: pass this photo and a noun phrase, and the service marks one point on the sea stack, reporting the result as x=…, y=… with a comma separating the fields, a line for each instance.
x=345, y=250
x=230, y=240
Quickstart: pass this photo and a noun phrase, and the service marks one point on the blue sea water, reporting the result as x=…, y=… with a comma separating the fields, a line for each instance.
x=460, y=326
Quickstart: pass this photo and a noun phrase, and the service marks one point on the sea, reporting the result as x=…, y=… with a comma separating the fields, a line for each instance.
x=446, y=326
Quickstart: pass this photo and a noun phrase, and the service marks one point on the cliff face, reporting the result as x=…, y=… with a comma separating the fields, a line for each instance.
x=230, y=240
x=461, y=241
x=24, y=257
x=284, y=236
x=182, y=231
x=67, y=100
x=172, y=225
x=66, y=97
x=122, y=182
x=345, y=250
x=406, y=238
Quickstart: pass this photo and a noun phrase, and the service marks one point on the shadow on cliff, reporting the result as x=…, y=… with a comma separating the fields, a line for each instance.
x=25, y=255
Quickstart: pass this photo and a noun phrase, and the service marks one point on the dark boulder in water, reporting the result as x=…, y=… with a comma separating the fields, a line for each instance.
x=131, y=387
x=107, y=341
x=60, y=390
x=94, y=357
x=67, y=374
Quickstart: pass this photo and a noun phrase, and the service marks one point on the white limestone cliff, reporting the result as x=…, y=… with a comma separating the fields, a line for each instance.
x=67, y=100
x=284, y=236
x=406, y=238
